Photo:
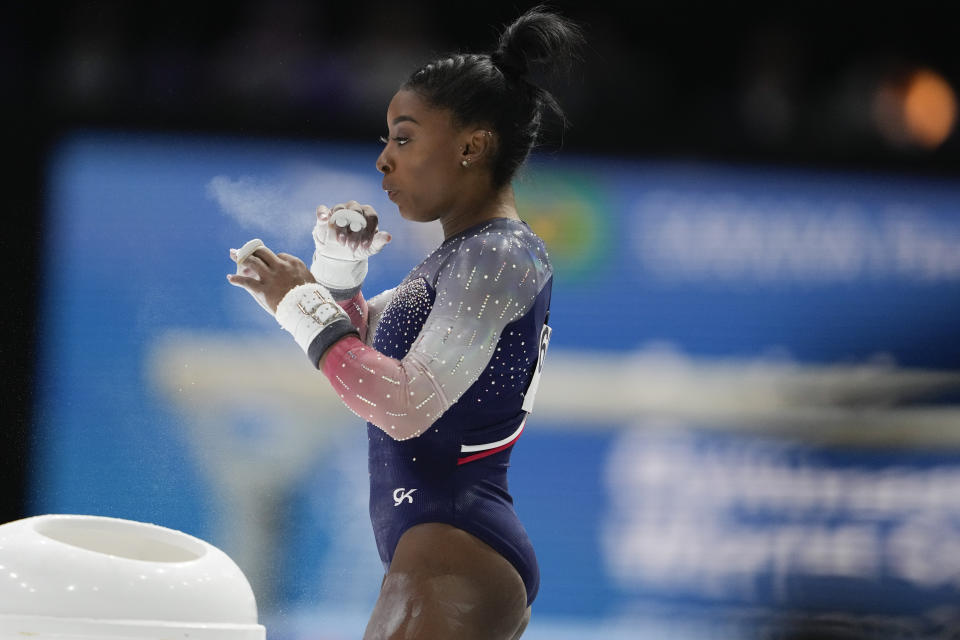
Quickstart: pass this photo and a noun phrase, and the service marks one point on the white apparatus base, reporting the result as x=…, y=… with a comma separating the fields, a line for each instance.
x=71, y=577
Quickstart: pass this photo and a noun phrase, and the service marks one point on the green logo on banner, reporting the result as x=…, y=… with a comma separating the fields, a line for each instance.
x=567, y=209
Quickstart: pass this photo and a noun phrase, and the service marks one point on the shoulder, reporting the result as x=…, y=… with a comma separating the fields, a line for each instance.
x=501, y=242
x=500, y=263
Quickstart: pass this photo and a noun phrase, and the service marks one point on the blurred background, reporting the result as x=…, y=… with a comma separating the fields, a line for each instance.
x=748, y=426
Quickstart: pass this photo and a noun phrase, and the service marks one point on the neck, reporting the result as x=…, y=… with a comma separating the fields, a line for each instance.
x=501, y=205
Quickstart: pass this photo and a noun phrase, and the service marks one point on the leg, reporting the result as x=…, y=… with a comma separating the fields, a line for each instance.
x=445, y=584
x=523, y=625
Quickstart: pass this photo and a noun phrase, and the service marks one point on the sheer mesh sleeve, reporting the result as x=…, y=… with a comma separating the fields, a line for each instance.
x=365, y=314
x=357, y=309
x=489, y=282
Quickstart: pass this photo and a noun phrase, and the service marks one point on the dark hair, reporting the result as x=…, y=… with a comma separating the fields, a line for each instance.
x=495, y=89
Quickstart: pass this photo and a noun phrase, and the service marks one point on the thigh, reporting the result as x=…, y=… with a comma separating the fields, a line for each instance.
x=523, y=625
x=445, y=583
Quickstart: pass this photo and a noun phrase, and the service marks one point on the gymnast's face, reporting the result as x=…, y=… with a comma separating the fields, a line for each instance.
x=421, y=162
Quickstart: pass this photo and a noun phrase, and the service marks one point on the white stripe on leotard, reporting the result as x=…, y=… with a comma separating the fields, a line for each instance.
x=470, y=448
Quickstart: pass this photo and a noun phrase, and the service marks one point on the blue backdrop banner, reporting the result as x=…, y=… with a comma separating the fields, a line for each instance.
x=749, y=411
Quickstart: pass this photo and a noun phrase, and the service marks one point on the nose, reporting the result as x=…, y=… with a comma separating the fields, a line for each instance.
x=383, y=164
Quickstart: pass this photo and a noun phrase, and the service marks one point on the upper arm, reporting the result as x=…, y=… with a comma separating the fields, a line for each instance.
x=489, y=282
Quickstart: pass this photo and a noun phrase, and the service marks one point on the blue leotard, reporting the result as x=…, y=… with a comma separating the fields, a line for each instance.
x=454, y=349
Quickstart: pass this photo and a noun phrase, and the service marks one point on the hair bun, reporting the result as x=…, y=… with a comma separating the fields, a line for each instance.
x=538, y=36
x=509, y=65
x=496, y=91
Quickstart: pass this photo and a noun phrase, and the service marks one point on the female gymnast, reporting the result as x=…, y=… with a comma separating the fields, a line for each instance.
x=444, y=366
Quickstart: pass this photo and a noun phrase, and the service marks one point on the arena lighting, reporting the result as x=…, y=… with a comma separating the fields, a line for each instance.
x=916, y=109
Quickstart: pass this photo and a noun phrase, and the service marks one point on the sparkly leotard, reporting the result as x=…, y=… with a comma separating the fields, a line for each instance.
x=452, y=352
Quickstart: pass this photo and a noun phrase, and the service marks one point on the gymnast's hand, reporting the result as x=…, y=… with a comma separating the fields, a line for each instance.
x=344, y=238
x=268, y=276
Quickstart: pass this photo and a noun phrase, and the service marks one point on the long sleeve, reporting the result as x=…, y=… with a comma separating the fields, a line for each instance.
x=358, y=311
x=364, y=314
x=486, y=284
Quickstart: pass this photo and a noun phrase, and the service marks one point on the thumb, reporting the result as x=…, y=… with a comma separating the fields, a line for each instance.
x=379, y=241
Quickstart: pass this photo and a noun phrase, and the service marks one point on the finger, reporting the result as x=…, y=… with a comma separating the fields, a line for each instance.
x=368, y=235
x=368, y=212
x=323, y=213
x=349, y=219
x=245, y=270
x=244, y=252
x=255, y=264
x=268, y=257
x=380, y=240
x=373, y=221
x=289, y=258
x=350, y=204
x=251, y=284
x=321, y=230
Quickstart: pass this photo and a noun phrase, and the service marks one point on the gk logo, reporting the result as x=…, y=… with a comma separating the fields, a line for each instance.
x=399, y=495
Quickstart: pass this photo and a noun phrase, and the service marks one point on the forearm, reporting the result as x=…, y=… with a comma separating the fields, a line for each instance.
x=356, y=307
x=401, y=397
x=365, y=314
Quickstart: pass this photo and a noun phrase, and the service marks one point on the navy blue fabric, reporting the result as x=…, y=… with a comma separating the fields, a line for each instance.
x=419, y=480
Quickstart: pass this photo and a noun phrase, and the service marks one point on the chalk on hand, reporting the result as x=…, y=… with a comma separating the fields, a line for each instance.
x=247, y=250
x=344, y=217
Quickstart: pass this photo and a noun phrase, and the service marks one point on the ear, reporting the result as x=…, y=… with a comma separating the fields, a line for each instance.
x=477, y=146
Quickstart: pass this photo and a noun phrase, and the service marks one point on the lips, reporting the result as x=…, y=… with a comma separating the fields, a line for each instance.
x=391, y=193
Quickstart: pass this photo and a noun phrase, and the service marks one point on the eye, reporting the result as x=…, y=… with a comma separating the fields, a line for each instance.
x=400, y=140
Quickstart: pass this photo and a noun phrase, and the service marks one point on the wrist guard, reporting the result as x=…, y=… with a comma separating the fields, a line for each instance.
x=314, y=319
